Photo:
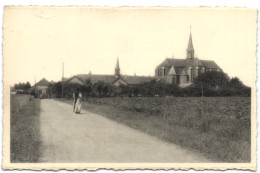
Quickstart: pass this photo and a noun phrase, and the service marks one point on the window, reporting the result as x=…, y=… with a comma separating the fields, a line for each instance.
x=188, y=78
x=163, y=71
x=192, y=74
x=178, y=79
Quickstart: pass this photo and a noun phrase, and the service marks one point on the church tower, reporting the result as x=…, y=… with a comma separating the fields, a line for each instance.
x=117, y=69
x=190, y=49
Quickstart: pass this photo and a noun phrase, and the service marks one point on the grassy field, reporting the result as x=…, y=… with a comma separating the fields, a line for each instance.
x=25, y=134
x=218, y=127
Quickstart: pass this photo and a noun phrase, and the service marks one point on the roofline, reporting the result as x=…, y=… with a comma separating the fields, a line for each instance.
x=40, y=81
x=173, y=66
x=96, y=74
x=177, y=58
x=73, y=78
x=118, y=79
x=137, y=76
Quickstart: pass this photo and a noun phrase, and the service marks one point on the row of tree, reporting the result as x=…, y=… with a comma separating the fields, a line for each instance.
x=22, y=86
x=100, y=89
x=208, y=84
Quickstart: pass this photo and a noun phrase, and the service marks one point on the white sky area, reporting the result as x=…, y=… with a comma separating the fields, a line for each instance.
x=38, y=40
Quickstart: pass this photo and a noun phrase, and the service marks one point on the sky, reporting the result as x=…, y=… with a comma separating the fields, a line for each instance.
x=38, y=40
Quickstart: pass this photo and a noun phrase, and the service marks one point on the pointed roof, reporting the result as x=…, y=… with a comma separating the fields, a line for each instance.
x=209, y=64
x=93, y=77
x=194, y=62
x=117, y=64
x=42, y=82
x=188, y=63
x=172, y=71
x=190, y=45
x=173, y=62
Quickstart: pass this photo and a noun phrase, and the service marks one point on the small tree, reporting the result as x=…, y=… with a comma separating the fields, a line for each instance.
x=55, y=89
x=99, y=86
x=89, y=87
x=238, y=88
x=27, y=86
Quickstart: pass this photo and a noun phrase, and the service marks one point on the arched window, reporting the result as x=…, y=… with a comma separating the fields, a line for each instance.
x=192, y=74
x=163, y=71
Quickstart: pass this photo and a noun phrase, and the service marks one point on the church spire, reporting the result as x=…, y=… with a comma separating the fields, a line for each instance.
x=117, y=69
x=190, y=49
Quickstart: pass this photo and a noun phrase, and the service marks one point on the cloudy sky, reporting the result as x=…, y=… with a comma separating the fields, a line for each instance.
x=37, y=40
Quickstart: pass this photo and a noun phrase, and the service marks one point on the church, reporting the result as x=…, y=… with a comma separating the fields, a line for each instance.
x=173, y=71
x=184, y=71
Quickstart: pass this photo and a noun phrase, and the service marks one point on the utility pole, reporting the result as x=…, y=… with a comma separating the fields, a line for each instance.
x=35, y=91
x=62, y=80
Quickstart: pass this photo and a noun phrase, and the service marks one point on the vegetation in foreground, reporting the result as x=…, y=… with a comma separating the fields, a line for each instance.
x=218, y=127
x=25, y=132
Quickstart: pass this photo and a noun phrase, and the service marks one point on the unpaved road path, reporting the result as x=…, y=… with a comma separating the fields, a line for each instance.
x=91, y=138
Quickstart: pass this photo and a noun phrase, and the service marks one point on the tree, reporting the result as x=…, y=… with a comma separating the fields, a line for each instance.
x=27, y=86
x=55, y=89
x=238, y=88
x=215, y=83
x=89, y=87
x=70, y=88
x=235, y=82
x=22, y=86
x=99, y=86
x=212, y=80
x=123, y=90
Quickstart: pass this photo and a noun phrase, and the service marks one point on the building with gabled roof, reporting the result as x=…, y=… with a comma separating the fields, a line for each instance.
x=40, y=87
x=182, y=71
x=41, y=84
x=116, y=79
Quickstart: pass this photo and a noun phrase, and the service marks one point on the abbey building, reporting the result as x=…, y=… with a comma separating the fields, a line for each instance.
x=174, y=71
x=184, y=71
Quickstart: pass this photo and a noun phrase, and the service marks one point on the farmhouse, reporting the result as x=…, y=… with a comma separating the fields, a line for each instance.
x=40, y=87
x=184, y=71
x=171, y=70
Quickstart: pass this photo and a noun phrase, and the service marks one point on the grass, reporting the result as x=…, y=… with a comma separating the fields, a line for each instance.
x=25, y=132
x=218, y=127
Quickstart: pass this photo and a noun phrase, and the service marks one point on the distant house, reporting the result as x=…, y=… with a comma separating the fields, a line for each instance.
x=40, y=87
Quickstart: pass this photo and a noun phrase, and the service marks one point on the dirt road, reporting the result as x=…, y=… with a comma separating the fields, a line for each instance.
x=88, y=137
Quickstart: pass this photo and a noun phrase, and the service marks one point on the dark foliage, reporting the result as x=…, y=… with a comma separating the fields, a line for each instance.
x=22, y=86
x=215, y=83
x=55, y=90
x=209, y=84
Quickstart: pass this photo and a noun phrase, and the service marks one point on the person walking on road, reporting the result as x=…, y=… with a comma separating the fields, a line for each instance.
x=78, y=104
x=75, y=96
